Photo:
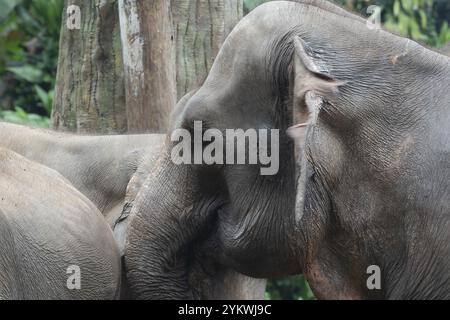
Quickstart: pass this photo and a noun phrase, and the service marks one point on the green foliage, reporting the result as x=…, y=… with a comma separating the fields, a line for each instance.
x=416, y=19
x=19, y=116
x=425, y=21
x=29, y=38
x=294, y=288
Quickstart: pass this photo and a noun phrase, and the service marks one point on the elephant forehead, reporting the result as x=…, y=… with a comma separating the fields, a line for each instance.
x=245, y=49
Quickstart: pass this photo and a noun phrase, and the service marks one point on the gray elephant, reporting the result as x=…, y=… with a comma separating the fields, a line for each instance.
x=209, y=279
x=110, y=170
x=369, y=186
x=54, y=243
x=100, y=167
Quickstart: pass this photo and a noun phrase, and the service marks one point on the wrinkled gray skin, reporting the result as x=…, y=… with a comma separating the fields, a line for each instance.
x=46, y=226
x=120, y=225
x=373, y=176
x=209, y=279
x=100, y=167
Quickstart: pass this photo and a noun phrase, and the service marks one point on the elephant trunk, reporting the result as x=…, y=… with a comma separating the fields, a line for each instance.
x=162, y=226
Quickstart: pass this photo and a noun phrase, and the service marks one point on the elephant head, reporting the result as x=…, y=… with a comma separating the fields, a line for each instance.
x=203, y=276
x=330, y=210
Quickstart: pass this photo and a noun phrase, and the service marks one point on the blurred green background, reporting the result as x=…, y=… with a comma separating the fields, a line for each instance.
x=29, y=36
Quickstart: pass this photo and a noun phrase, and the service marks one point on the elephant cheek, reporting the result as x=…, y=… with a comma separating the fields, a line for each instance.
x=256, y=249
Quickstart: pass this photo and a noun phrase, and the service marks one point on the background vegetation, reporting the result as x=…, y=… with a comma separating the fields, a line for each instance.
x=29, y=36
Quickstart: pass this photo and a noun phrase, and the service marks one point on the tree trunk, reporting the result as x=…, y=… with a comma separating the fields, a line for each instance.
x=89, y=94
x=201, y=28
x=149, y=55
x=169, y=47
x=132, y=60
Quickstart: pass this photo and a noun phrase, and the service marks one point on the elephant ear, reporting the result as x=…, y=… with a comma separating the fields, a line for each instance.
x=310, y=88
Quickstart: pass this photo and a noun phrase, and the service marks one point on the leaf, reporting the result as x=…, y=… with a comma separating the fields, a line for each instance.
x=19, y=116
x=423, y=19
x=21, y=113
x=444, y=34
x=45, y=97
x=27, y=72
x=396, y=10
